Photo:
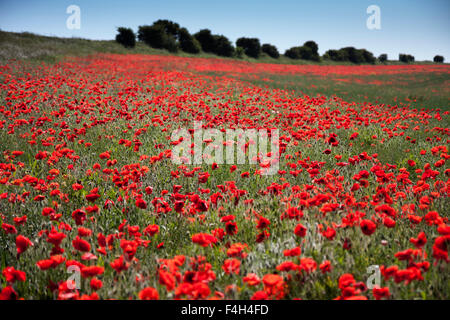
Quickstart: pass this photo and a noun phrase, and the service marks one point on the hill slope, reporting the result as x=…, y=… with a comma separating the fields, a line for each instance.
x=30, y=46
x=35, y=47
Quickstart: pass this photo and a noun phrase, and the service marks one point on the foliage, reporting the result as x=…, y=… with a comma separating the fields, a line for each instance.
x=438, y=59
x=223, y=46
x=309, y=51
x=239, y=52
x=406, y=58
x=251, y=46
x=350, y=54
x=126, y=37
x=187, y=42
x=270, y=50
x=206, y=40
x=157, y=37
x=383, y=57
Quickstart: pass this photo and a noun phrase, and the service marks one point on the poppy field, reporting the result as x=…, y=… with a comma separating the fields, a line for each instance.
x=93, y=207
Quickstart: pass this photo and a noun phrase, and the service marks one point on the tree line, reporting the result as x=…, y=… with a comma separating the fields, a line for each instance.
x=169, y=35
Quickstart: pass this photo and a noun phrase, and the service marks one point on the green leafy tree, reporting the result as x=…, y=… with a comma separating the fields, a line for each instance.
x=252, y=46
x=406, y=58
x=239, y=52
x=206, y=40
x=223, y=46
x=350, y=54
x=334, y=55
x=187, y=42
x=156, y=37
x=293, y=53
x=126, y=37
x=314, y=47
x=438, y=59
x=367, y=56
x=169, y=27
x=270, y=50
x=383, y=57
x=309, y=51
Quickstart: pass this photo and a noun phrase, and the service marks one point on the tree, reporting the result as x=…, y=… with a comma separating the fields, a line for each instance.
x=314, y=55
x=152, y=36
x=306, y=53
x=350, y=54
x=303, y=52
x=309, y=51
x=169, y=27
x=239, y=52
x=162, y=34
x=438, y=59
x=206, y=39
x=311, y=44
x=223, y=46
x=353, y=55
x=213, y=43
x=406, y=58
x=187, y=42
x=383, y=57
x=251, y=46
x=156, y=37
x=334, y=55
x=293, y=53
x=126, y=37
x=270, y=50
x=368, y=56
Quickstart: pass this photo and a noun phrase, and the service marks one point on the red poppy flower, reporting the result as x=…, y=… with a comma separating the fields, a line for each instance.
x=252, y=279
x=300, y=230
x=91, y=197
x=231, y=266
x=274, y=286
x=22, y=244
x=119, y=264
x=388, y=222
x=325, y=266
x=292, y=252
x=260, y=295
x=141, y=203
x=204, y=239
x=329, y=233
x=368, y=227
x=81, y=245
x=88, y=272
x=105, y=155
x=9, y=229
x=420, y=241
x=148, y=293
x=12, y=275
x=8, y=293
x=151, y=230
x=380, y=293
x=96, y=284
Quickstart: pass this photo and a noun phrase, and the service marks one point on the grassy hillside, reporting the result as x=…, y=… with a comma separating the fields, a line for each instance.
x=34, y=47
x=41, y=48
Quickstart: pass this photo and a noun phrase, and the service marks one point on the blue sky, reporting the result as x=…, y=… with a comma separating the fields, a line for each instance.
x=416, y=27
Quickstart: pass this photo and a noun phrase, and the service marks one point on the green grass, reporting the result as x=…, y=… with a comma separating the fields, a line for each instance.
x=28, y=46
x=417, y=91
